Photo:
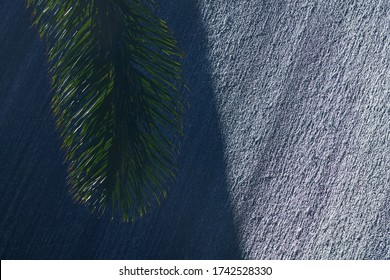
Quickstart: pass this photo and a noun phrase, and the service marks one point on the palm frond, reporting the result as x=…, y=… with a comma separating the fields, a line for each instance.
x=115, y=70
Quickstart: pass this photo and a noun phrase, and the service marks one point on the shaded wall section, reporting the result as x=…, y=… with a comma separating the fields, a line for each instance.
x=37, y=216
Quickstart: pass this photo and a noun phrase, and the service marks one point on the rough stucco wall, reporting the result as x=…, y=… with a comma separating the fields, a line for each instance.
x=303, y=95
x=37, y=216
x=287, y=146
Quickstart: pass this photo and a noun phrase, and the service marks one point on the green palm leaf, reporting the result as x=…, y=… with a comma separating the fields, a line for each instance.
x=114, y=74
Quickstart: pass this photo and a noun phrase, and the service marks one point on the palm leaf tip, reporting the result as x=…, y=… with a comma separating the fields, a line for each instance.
x=115, y=73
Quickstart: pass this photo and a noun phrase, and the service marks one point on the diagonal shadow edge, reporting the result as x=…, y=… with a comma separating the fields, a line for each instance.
x=38, y=218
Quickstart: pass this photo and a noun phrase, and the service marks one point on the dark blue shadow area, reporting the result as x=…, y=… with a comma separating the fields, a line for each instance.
x=38, y=219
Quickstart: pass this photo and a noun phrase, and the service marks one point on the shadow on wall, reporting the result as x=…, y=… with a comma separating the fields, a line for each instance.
x=38, y=218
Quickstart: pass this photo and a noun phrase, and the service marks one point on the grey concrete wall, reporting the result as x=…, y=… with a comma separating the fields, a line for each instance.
x=286, y=153
x=303, y=97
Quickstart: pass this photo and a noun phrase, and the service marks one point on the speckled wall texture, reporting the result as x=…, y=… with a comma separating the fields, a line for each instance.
x=286, y=153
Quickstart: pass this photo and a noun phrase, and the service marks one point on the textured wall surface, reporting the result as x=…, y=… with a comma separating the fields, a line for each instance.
x=303, y=96
x=286, y=153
